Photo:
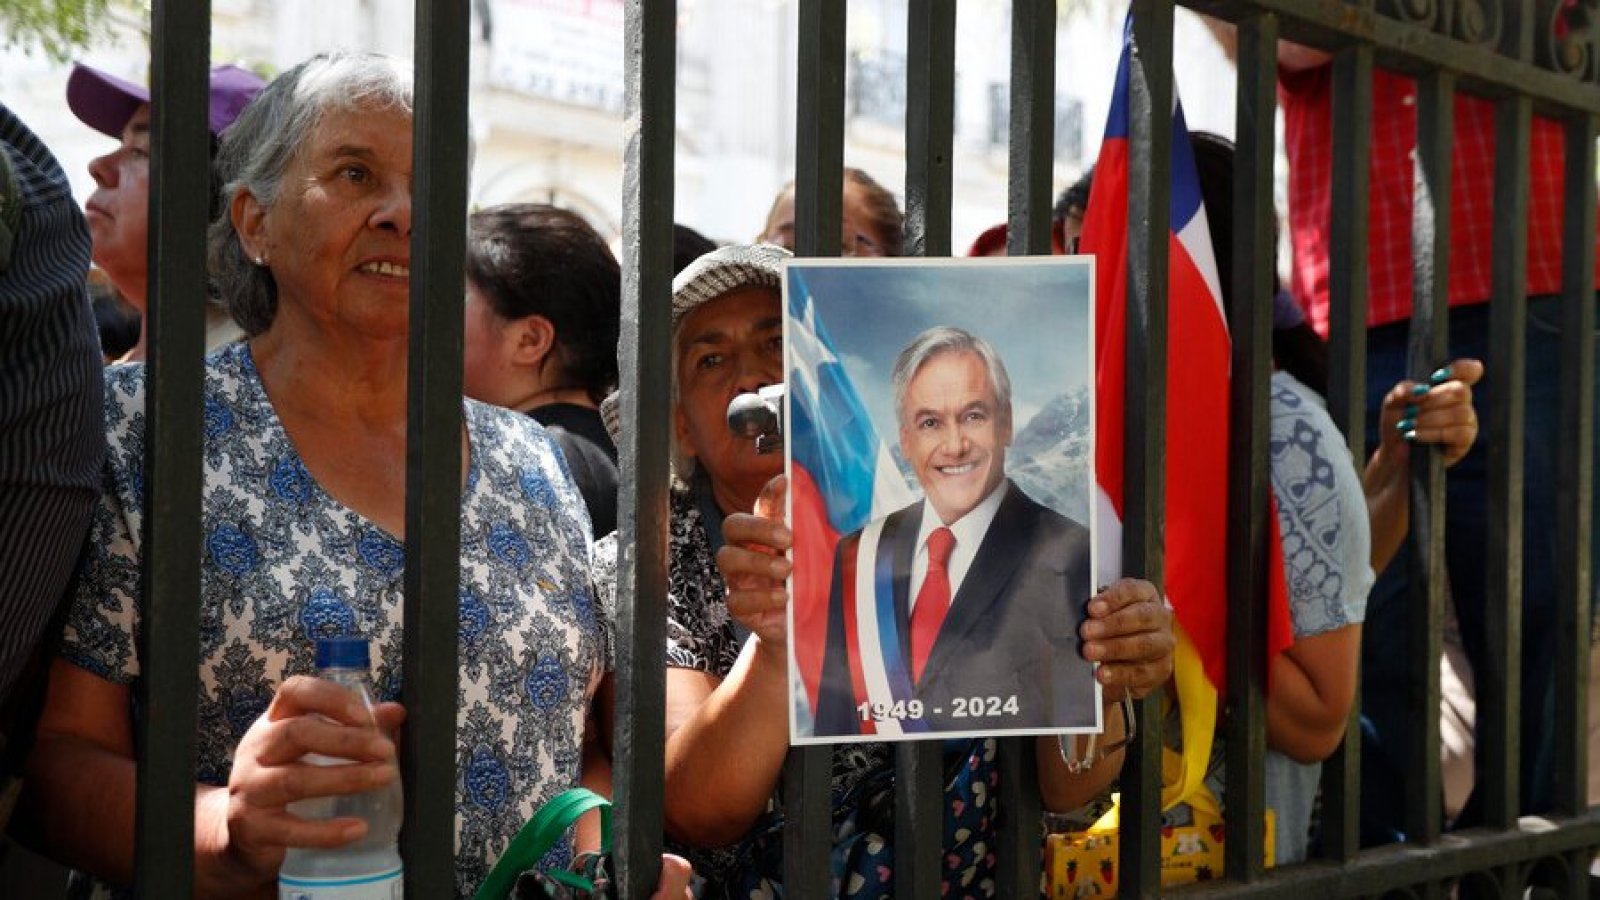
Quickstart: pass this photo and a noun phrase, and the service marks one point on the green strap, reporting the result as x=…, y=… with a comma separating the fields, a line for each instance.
x=539, y=835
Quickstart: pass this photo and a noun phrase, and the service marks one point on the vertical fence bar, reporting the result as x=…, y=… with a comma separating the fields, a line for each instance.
x=1575, y=470
x=1499, y=699
x=1032, y=154
x=1429, y=346
x=433, y=446
x=1498, y=695
x=930, y=125
x=1347, y=377
x=819, y=131
x=1020, y=839
x=930, y=137
x=818, y=200
x=639, y=732
x=1144, y=488
x=1032, y=126
x=1249, y=486
x=169, y=645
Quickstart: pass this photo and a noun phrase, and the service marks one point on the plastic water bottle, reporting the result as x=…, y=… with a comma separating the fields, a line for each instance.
x=369, y=869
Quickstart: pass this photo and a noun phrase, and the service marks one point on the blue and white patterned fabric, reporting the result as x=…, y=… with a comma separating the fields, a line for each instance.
x=1327, y=550
x=285, y=563
x=1322, y=512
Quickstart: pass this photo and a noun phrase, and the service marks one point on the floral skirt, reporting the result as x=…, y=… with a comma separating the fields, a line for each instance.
x=862, y=861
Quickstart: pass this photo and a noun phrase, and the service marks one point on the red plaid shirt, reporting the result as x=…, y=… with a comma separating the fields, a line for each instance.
x=1307, y=96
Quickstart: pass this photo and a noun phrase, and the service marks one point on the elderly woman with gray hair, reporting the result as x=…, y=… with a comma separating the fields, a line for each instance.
x=303, y=517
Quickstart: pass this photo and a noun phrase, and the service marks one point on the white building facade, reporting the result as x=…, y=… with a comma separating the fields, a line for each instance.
x=547, y=95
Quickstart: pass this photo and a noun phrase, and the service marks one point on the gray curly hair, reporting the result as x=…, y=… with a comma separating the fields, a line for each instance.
x=257, y=149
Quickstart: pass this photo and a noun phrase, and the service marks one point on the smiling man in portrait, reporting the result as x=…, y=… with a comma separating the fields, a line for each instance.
x=963, y=606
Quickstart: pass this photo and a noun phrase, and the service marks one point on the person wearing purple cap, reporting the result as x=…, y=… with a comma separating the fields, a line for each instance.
x=118, y=211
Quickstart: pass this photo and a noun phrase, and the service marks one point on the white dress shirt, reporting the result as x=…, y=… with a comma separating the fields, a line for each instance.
x=968, y=530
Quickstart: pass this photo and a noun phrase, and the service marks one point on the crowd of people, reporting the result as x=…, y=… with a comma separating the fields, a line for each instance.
x=303, y=507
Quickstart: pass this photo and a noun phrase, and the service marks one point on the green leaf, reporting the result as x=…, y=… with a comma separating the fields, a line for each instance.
x=57, y=27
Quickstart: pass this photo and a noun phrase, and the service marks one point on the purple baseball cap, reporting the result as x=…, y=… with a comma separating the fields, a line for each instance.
x=105, y=102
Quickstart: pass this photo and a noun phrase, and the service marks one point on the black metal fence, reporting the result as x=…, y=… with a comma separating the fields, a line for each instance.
x=1514, y=53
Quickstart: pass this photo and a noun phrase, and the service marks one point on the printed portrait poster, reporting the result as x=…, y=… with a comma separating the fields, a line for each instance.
x=940, y=450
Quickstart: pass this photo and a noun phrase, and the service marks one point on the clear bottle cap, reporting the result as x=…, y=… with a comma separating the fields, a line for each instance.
x=343, y=653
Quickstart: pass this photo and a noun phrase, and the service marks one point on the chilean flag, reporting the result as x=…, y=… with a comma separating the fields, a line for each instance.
x=1198, y=362
x=842, y=476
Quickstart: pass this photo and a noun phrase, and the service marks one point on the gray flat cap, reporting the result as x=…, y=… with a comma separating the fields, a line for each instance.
x=722, y=271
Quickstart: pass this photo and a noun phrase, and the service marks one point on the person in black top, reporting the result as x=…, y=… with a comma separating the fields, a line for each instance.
x=543, y=312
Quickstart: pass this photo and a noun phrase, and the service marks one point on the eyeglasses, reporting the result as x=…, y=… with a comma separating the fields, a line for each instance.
x=1093, y=755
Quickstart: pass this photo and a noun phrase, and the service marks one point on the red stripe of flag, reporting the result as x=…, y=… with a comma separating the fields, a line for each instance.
x=852, y=635
x=1197, y=399
x=813, y=570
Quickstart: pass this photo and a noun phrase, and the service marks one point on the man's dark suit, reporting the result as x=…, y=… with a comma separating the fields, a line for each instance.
x=1012, y=628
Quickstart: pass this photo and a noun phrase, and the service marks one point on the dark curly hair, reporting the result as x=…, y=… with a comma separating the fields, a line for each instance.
x=531, y=259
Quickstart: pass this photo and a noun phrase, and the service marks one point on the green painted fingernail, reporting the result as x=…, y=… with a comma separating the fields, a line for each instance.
x=1405, y=425
x=1420, y=390
x=1411, y=410
x=1410, y=437
x=1440, y=376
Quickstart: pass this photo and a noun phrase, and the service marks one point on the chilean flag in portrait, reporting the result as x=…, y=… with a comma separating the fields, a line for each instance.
x=842, y=477
x=1198, y=363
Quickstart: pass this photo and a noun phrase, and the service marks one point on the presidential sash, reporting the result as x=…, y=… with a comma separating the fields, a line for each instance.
x=880, y=672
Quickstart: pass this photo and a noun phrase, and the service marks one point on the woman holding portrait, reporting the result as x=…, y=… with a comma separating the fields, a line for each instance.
x=727, y=657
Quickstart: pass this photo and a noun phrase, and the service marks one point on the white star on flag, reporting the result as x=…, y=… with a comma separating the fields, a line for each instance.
x=810, y=353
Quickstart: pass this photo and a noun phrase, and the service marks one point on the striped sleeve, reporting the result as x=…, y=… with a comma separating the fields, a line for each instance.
x=51, y=438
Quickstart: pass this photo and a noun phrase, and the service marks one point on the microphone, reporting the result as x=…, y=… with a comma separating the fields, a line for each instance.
x=759, y=416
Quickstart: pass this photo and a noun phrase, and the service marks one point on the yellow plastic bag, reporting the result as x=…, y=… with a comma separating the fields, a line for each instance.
x=1084, y=863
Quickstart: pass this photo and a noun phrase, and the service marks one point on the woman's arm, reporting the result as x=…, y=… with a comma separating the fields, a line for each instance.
x=727, y=737
x=725, y=757
x=1128, y=631
x=1062, y=790
x=596, y=764
x=80, y=781
x=1313, y=688
x=1314, y=681
x=78, y=797
x=1442, y=415
x=676, y=873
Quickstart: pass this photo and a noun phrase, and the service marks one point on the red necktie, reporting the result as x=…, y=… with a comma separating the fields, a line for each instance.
x=933, y=599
